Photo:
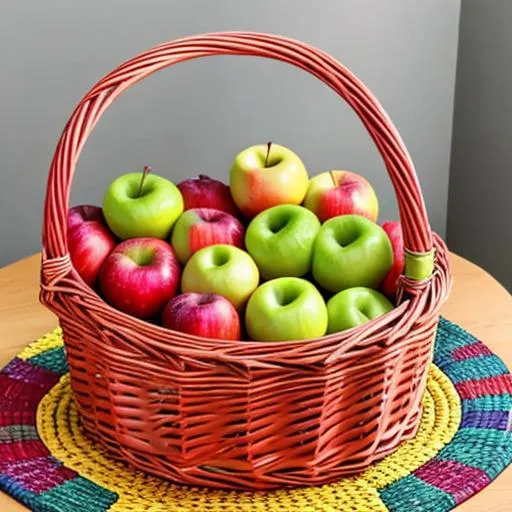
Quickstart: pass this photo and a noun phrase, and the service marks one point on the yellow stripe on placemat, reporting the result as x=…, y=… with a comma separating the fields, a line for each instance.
x=47, y=342
x=58, y=426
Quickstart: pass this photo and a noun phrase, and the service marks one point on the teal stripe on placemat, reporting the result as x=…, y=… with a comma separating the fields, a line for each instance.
x=488, y=403
x=458, y=336
x=53, y=359
x=449, y=337
x=487, y=449
x=410, y=494
x=477, y=368
x=77, y=495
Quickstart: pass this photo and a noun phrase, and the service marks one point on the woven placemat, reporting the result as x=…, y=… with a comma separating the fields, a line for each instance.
x=464, y=442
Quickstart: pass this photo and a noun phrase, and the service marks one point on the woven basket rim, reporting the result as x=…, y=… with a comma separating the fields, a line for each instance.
x=250, y=351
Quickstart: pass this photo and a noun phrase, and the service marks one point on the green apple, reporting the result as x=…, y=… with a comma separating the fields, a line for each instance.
x=267, y=175
x=281, y=240
x=222, y=269
x=287, y=308
x=355, y=306
x=350, y=251
x=142, y=205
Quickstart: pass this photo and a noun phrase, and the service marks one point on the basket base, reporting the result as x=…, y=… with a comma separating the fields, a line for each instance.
x=334, y=475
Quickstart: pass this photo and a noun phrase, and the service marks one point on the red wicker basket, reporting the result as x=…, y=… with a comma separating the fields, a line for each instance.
x=239, y=414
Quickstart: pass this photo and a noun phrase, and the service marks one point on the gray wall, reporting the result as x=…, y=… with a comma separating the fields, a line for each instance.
x=197, y=116
x=480, y=212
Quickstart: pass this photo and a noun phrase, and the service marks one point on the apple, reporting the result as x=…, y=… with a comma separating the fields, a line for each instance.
x=222, y=269
x=140, y=276
x=390, y=283
x=89, y=241
x=355, y=306
x=205, y=192
x=267, y=175
x=281, y=240
x=144, y=205
x=201, y=227
x=349, y=251
x=202, y=314
x=287, y=308
x=336, y=193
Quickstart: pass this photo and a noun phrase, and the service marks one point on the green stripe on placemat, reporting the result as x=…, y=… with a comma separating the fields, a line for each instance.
x=410, y=494
x=77, y=495
x=487, y=449
x=54, y=360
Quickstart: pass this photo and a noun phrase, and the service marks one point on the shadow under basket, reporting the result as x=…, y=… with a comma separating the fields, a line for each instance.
x=236, y=414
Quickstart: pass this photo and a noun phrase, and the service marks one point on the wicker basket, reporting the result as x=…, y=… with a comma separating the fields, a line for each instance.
x=236, y=414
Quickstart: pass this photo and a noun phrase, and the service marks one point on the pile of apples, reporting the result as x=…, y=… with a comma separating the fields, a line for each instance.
x=275, y=256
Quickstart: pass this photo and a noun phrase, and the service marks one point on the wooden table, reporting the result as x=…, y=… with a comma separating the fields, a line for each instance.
x=478, y=303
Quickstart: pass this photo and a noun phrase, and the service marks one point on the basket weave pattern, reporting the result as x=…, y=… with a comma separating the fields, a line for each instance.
x=238, y=414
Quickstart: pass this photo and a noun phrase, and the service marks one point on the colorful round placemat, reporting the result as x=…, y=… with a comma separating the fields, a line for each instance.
x=463, y=443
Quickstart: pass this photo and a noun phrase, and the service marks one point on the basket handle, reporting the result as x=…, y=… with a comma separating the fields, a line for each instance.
x=416, y=229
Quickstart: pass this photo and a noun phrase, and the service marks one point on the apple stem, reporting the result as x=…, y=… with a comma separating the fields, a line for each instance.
x=331, y=173
x=269, y=145
x=145, y=172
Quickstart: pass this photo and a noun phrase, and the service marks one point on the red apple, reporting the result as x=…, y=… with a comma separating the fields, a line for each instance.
x=394, y=231
x=205, y=192
x=201, y=227
x=202, y=314
x=140, y=276
x=336, y=193
x=89, y=241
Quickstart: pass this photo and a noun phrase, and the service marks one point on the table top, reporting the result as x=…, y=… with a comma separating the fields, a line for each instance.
x=478, y=303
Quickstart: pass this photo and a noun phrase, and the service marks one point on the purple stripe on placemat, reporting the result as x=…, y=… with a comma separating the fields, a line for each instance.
x=498, y=420
x=454, y=478
x=477, y=349
x=37, y=475
x=19, y=369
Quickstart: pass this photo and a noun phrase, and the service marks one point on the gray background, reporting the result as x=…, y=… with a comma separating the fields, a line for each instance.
x=480, y=211
x=196, y=116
